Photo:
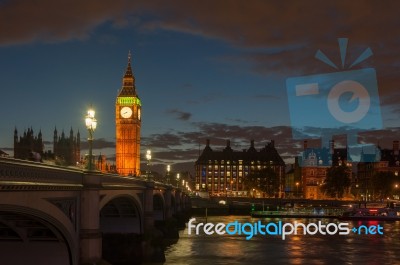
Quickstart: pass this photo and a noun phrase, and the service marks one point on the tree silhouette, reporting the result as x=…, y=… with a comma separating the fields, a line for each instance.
x=383, y=184
x=337, y=181
x=265, y=180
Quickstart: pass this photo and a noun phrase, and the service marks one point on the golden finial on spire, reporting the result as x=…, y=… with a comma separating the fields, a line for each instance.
x=129, y=56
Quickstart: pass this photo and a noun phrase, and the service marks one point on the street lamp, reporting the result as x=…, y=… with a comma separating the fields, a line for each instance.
x=91, y=124
x=177, y=178
x=148, y=157
x=357, y=189
x=168, y=169
x=297, y=189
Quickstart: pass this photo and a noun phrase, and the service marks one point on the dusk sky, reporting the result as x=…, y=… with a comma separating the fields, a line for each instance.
x=203, y=69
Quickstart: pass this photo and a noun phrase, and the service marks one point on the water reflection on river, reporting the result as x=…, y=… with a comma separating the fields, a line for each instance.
x=300, y=249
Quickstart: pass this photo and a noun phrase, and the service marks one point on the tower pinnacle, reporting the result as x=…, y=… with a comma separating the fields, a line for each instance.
x=128, y=81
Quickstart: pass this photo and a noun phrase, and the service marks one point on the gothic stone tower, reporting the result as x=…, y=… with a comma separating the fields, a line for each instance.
x=128, y=121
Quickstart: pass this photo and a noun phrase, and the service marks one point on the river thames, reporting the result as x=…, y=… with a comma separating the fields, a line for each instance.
x=295, y=249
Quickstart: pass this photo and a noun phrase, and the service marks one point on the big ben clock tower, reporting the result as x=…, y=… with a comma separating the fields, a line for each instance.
x=128, y=121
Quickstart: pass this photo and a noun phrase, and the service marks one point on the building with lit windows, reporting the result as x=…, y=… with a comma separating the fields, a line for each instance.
x=314, y=163
x=221, y=173
x=386, y=160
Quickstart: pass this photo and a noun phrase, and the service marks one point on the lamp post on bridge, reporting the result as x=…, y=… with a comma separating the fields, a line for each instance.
x=148, y=157
x=177, y=177
x=91, y=124
x=167, y=178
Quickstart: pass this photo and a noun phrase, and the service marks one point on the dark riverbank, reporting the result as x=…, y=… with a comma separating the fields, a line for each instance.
x=244, y=206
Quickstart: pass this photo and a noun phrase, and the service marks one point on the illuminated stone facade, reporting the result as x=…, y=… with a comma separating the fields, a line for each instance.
x=315, y=163
x=221, y=173
x=128, y=122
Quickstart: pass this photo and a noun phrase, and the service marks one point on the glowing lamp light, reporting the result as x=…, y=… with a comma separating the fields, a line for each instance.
x=91, y=125
x=148, y=157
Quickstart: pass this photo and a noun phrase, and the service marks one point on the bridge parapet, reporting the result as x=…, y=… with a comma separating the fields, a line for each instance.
x=18, y=174
x=117, y=182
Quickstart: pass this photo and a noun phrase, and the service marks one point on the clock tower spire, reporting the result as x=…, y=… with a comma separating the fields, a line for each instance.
x=128, y=123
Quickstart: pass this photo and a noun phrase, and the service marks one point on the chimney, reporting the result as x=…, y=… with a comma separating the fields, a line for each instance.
x=208, y=142
x=331, y=147
x=252, y=143
x=396, y=148
x=305, y=143
x=228, y=143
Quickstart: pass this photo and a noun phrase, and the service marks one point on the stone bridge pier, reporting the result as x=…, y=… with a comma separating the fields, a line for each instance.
x=57, y=215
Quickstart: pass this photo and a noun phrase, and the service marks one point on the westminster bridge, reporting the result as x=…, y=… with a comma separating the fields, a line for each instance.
x=65, y=215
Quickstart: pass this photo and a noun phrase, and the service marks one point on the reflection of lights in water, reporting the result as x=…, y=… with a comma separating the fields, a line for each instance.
x=296, y=249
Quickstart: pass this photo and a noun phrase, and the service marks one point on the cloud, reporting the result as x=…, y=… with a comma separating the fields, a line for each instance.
x=275, y=37
x=7, y=149
x=100, y=143
x=181, y=115
x=179, y=146
x=164, y=140
x=55, y=21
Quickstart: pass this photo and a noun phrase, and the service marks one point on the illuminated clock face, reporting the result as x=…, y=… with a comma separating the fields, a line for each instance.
x=139, y=114
x=126, y=112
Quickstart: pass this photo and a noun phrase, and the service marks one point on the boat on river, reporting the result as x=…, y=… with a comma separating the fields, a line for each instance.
x=371, y=213
x=299, y=213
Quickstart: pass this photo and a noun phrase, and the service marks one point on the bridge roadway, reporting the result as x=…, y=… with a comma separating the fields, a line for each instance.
x=65, y=215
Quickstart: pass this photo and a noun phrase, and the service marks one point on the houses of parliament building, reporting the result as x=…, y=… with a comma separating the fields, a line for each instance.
x=66, y=149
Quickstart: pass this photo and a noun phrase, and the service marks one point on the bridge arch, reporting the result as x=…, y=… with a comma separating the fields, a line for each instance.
x=173, y=204
x=125, y=206
x=158, y=206
x=121, y=224
x=41, y=237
